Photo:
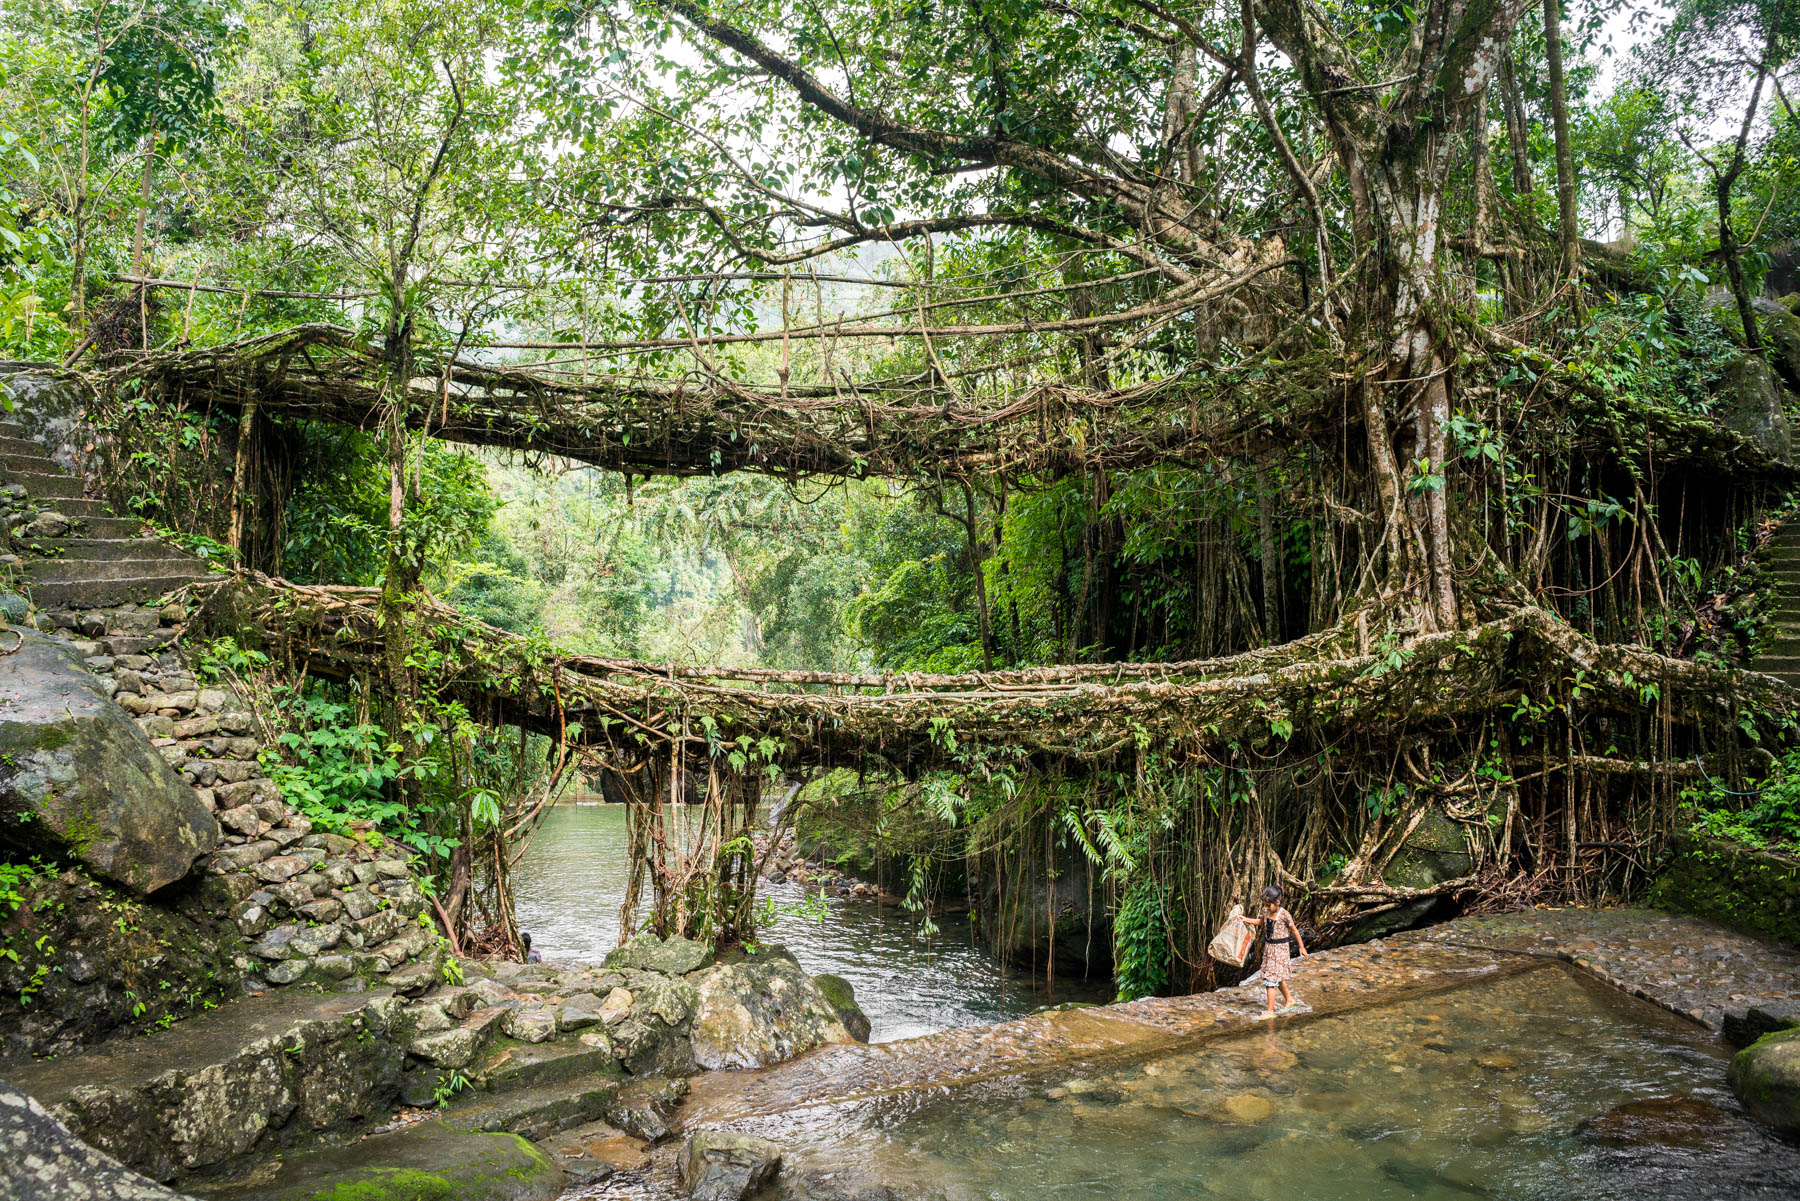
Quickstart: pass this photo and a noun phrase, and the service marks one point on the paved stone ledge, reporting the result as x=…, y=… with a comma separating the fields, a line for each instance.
x=1687, y=965
x=1708, y=974
x=230, y=1086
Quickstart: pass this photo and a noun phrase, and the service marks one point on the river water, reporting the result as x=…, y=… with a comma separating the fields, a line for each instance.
x=1537, y=1087
x=1544, y=1086
x=569, y=885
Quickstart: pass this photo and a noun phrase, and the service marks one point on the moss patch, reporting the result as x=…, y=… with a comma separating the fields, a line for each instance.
x=427, y=1162
x=1755, y=891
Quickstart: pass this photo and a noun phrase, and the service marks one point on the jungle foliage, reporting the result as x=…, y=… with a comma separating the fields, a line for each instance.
x=1173, y=332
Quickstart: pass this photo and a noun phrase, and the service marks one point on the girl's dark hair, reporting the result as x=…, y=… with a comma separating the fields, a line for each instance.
x=525, y=940
x=1272, y=895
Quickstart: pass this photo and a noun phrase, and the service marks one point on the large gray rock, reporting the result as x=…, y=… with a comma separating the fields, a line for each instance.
x=39, y=1158
x=670, y=956
x=753, y=1014
x=223, y=1090
x=721, y=1166
x=1751, y=403
x=1766, y=1078
x=79, y=780
x=652, y=1040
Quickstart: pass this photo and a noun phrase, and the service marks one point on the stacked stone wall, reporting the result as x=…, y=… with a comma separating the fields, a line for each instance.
x=1739, y=886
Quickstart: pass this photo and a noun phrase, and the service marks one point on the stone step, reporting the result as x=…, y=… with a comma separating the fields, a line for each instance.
x=72, y=569
x=427, y=1160
x=106, y=594
x=98, y=522
x=535, y=1112
x=520, y=1065
x=34, y=461
x=107, y=549
x=20, y=446
x=11, y=429
x=45, y=488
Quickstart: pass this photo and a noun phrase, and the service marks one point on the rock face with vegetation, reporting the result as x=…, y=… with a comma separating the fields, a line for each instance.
x=1752, y=889
x=80, y=781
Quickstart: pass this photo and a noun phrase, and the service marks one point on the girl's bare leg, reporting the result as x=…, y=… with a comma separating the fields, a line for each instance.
x=1287, y=998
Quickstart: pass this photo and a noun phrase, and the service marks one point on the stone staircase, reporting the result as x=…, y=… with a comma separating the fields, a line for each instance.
x=1781, y=658
x=78, y=554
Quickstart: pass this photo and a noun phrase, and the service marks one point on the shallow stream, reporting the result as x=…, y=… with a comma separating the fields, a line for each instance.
x=572, y=879
x=1543, y=1086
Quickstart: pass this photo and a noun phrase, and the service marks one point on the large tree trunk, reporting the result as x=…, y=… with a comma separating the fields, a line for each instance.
x=1567, y=223
x=1395, y=148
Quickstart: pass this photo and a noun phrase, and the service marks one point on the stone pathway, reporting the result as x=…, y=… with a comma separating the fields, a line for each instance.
x=1691, y=967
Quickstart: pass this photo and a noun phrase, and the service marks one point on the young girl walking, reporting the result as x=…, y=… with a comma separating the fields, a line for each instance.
x=1277, y=951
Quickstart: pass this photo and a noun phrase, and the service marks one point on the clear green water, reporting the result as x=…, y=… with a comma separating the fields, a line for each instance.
x=572, y=878
x=1488, y=1091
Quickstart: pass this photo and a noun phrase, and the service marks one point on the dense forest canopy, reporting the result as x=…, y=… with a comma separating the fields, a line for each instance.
x=970, y=336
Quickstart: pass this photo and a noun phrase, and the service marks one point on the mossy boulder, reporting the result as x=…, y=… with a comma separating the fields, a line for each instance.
x=1766, y=1078
x=1751, y=402
x=751, y=1015
x=80, y=782
x=1437, y=850
x=426, y=1162
x=841, y=997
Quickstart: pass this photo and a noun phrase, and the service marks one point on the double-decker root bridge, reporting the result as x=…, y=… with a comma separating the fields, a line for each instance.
x=1321, y=687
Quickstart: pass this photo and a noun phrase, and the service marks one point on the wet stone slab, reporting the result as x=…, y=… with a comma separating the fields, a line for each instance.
x=1329, y=982
x=1683, y=964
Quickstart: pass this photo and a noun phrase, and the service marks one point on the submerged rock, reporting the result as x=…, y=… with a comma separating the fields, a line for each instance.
x=842, y=998
x=1658, y=1122
x=1766, y=1078
x=670, y=956
x=1242, y=1109
x=40, y=1158
x=721, y=1166
x=751, y=1015
x=79, y=780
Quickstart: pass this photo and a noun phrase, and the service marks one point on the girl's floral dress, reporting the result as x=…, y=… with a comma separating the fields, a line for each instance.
x=1275, y=964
